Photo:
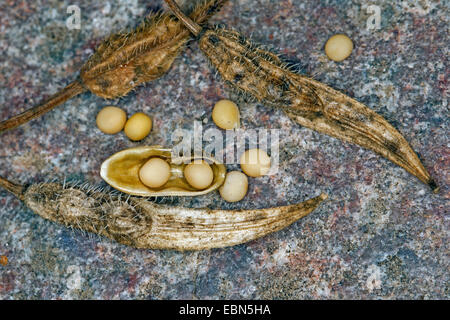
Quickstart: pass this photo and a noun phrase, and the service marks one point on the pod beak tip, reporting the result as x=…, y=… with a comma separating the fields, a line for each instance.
x=323, y=196
x=433, y=185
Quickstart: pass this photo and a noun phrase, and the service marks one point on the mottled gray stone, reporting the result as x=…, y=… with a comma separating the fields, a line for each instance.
x=382, y=233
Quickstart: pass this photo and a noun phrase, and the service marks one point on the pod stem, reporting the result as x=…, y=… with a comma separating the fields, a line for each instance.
x=72, y=90
x=15, y=189
x=188, y=22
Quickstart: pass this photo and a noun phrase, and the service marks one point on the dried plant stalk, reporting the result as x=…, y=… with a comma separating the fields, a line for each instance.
x=141, y=223
x=126, y=60
x=262, y=76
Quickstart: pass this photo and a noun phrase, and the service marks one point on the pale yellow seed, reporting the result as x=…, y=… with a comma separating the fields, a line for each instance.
x=111, y=120
x=138, y=126
x=235, y=186
x=199, y=174
x=255, y=163
x=226, y=115
x=339, y=47
x=155, y=173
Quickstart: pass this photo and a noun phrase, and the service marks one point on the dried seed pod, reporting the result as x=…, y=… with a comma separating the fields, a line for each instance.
x=121, y=171
x=126, y=60
x=262, y=76
x=140, y=223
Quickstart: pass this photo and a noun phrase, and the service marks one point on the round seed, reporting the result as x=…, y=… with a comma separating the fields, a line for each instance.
x=235, y=186
x=111, y=120
x=138, y=126
x=155, y=173
x=199, y=174
x=226, y=115
x=339, y=47
x=255, y=163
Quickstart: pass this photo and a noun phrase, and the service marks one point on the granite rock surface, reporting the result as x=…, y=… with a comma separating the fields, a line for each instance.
x=381, y=235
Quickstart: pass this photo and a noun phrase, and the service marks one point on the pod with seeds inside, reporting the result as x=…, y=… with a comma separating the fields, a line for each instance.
x=126, y=60
x=121, y=171
x=141, y=223
x=262, y=76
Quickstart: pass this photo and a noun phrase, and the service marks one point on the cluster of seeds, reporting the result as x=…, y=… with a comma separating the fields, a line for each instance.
x=112, y=120
x=156, y=172
x=254, y=162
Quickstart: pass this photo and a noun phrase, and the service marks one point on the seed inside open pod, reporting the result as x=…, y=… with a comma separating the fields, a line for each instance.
x=121, y=171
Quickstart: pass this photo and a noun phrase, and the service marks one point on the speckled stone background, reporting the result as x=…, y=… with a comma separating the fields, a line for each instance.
x=382, y=234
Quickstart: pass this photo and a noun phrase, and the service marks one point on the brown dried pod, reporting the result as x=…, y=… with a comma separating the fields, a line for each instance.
x=126, y=60
x=262, y=76
x=121, y=171
x=141, y=223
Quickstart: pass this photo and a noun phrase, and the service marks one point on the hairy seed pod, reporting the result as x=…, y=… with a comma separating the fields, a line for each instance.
x=126, y=60
x=141, y=223
x=262, y=76
x=121, y=171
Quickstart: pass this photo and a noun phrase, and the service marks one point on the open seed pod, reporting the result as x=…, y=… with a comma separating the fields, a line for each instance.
x=121, y=171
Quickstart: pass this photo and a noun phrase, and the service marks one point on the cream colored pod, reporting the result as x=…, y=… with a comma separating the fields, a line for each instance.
x=135, y=170
x=235, y=186
x=339, y=47
x=226, y=115
x=255, y=162
x=111, y=120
